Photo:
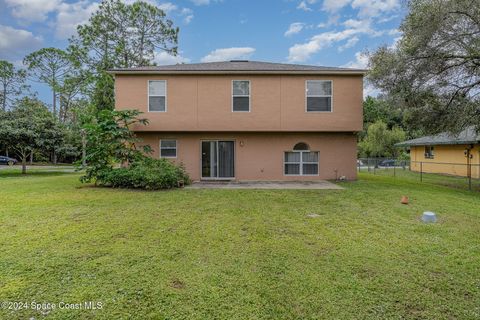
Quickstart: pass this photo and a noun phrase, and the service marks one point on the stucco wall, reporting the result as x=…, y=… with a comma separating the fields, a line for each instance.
x=259, y=156
x=448, y=159
x=204, y=103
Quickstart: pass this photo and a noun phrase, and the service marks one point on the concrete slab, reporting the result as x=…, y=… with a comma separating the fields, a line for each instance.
x=280, y=185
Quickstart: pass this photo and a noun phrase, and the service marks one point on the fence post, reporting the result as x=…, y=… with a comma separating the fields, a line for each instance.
x=421, y=171
x=469, y=170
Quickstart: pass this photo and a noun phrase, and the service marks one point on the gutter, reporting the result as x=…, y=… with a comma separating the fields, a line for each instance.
x=184, y=72
x=415, y=144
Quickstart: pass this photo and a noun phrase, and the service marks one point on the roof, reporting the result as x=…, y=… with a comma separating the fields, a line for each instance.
x=238, y=66
x=467, y=136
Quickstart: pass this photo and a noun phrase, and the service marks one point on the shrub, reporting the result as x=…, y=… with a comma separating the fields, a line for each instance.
x=146, y=173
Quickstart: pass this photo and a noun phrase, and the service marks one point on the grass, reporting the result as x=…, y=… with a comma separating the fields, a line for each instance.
x=451, y=181
x=239, y=254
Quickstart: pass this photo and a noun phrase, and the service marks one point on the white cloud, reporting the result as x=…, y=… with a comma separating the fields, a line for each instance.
x=360, y=62
x=226, y=54
x=350, y=43
x=332, y=20
x=294, y=28
x=334, y=5
x=70, y=15
x=32, y=10
x=303, y=6
x=203, y=2
x=15, y=43
x=163, y=58
x=187, y=14
x=301, y=52
x=168, y=7
x=366, y=8
x=373, y=8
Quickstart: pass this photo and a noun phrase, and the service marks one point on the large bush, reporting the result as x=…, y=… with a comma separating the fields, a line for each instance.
x=111, y=143
x=147, y=173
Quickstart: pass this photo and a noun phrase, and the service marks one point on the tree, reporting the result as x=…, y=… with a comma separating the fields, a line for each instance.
x=51, y=66
x=120, y=35
x=110, y=141
x=434, y=70
x=12, y=84
x=380, y=108
x=27, y=127
x=380, y=141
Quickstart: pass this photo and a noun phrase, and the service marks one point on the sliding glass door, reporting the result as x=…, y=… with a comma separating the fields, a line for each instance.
x=218, y=158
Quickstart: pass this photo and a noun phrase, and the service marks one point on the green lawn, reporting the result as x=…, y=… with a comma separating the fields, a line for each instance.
x=239, y=254
x=451, y=181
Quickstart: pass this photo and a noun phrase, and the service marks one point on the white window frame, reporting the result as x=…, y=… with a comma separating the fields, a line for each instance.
x=301, y=163
x=160, y=148
x=318, y=96
x=148, y=96
x=249, y=95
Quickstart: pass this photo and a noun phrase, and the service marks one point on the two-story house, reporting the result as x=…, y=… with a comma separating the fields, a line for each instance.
x=248, y=120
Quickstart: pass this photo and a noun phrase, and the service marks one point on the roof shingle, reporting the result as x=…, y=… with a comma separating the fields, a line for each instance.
x=467, y=136
x=237, y=66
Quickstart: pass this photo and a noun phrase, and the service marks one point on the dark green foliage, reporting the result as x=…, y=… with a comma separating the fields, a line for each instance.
x=146, y=173
x=12, y=84
x=120, y=35
x=111, y=143
x=434, y=70
x=28, y=127
x=380, y=141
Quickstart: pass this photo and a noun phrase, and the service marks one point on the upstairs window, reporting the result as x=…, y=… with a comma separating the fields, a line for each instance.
x=157, y=96
x=168, y=148
x=429, y=152
x=240, y=95
x=319, y=95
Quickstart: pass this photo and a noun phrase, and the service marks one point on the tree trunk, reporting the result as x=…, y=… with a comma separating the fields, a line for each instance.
x=24, y=163
x=31, y=157
x=54, y=102
x=54, y=157
x=4, y=102
x=84, y=147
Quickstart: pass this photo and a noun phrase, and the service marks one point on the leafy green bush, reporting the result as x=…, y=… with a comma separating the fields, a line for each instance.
x=146, y=173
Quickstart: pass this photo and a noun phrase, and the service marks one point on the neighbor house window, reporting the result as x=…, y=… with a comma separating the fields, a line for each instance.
x=157, y=96
x=429, y=152
x=319, y=95
x=168, y=148
x=301, y=161
x=240, y=95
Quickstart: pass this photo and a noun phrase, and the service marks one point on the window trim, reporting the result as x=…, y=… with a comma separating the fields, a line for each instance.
x=431, y=154
x=160, y=148
x=148, y=95
x=249, y=95
x=301, y=163
x=319, y=96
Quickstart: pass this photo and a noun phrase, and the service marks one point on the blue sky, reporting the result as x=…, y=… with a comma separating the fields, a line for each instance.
x=317, y=32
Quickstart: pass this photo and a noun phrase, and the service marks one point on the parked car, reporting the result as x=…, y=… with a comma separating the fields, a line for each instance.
x=7, y=160
x=360, y=163
x=387, y=163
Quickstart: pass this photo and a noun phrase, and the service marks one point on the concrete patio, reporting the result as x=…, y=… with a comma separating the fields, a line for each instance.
x=281, y=185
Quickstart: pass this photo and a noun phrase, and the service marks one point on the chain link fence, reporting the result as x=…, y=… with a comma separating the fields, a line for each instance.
x=455, y=175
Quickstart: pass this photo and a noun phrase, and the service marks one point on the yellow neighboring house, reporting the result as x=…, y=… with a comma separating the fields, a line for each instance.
x=457, y=155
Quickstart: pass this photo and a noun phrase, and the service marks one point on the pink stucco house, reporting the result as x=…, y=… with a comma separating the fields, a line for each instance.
x=248, y=120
